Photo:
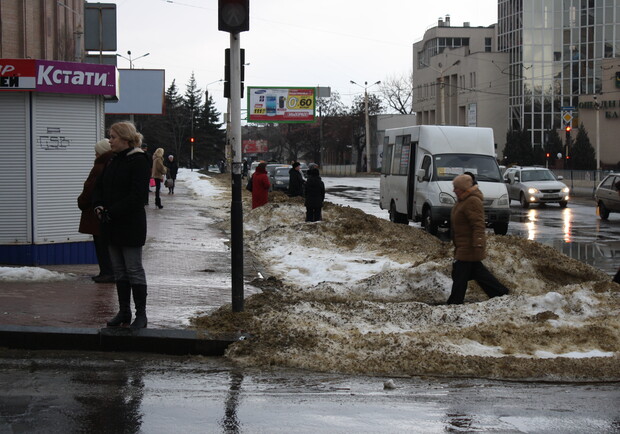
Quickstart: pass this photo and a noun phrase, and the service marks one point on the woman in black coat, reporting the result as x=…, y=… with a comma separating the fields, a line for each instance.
x=315, y=196
x=173, y=169
x=119, y=197
x=295, y=181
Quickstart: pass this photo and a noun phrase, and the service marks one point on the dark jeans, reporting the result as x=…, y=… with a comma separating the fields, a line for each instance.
x=313, y=214
x=103, y=255
x=157, y=191
x=464, y=271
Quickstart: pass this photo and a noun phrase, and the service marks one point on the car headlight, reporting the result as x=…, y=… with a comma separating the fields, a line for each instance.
x=566, y=190
x=503, y=200
x=532, y=190
x=446, y=199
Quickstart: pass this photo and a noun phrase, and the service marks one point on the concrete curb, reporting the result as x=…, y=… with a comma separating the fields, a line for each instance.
x=160, y=341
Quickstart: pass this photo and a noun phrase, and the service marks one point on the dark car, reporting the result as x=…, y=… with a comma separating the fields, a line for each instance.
x=606, y=196
x=280, y=178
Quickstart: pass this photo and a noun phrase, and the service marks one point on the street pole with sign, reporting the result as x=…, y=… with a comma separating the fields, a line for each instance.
x=234, y=18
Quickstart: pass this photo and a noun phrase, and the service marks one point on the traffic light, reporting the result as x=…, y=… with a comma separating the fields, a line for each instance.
x=191, y=140
x=233, y=15
x=548, y=155
x=568, y=129
x=227, y=71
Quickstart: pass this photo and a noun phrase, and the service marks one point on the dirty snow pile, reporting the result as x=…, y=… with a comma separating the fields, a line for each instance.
x=32, y=274
x=358, y=294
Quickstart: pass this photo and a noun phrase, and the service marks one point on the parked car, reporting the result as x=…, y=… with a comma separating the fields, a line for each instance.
x=531, y=185
x=281, y=178
x=271, y=170
x=252, y=168
x=606, y=196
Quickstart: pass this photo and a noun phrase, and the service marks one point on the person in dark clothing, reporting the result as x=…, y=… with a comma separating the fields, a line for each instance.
x=295, y=181
x=469, y=238
x=617, y=276
x=315, y=196
x=89, y=224
x=145, y=148
x=173, y=169
x=246, y=167
x=119, y=196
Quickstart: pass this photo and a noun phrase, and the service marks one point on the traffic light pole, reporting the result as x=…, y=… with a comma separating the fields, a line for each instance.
x=236, y=220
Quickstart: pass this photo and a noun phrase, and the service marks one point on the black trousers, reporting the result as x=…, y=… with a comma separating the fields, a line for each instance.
x=313, y=214
x=464, y=271
x=103, y=255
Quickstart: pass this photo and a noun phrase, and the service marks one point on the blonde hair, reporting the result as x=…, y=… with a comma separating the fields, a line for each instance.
x=127, y=131
x=159, y=153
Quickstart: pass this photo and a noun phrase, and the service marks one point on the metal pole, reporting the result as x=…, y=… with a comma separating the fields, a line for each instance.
x=441, y=99
x=367, y=129
x=597, y=106
x=236, y=220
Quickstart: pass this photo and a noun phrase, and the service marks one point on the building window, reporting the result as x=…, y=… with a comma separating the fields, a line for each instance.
x=488, y=44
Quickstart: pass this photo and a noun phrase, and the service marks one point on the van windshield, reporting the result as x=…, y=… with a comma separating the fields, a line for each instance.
x=484, y=167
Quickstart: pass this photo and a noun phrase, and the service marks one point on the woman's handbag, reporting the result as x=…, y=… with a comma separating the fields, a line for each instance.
x=169, y=183
x=248, y=187
x=152, y=182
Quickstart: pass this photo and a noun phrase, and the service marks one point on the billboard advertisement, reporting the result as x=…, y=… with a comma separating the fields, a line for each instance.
x=255, y=146
x=281, y=104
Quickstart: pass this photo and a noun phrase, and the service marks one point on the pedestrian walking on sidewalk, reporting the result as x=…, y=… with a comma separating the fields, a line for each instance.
x=315, y=196
x=260, y=186
x=171, y=176
x=89, y=224
x=158, y=173
x=469, y=238
x=118, y=199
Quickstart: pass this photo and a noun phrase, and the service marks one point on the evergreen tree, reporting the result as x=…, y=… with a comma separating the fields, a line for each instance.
x=175, y=123
x=518, y=149
x=210, y=143
x=583, y=155
x=192, y=101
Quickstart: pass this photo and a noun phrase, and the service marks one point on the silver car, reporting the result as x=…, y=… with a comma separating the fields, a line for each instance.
x=607, y=197
x=531, y=185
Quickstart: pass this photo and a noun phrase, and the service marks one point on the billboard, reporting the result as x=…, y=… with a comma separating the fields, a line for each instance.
x=141, y=92
x=281, y=104
x=255, y=146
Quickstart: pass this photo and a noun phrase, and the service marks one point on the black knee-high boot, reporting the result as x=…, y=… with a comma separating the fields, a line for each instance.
x=139, y=299
x=123, y=317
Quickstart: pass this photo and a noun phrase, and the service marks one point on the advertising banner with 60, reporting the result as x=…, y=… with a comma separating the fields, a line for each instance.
x=281, y=104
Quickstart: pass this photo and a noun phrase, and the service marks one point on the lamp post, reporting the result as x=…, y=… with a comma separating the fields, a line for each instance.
x=442, y=86
x=130, y=59
x=207, y=88
x=366, y=118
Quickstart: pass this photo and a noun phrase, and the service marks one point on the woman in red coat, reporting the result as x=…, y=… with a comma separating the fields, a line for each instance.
x=260, y=186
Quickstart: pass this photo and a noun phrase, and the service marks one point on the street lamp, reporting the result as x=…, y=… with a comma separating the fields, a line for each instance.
x=367, y=121
x=207, y=88
x=442, y=85
x=130, y=59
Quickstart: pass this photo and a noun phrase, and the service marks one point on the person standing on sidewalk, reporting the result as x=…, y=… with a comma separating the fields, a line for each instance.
x=159, y=170
x=315, y=195
x=89, y=224
x=295, y=180
x=617, y=276
x=469, y=238
x=260, y=186
x=118, y=199
x=173, y=169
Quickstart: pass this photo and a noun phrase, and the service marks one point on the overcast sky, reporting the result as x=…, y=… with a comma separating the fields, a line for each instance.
x=290, y=42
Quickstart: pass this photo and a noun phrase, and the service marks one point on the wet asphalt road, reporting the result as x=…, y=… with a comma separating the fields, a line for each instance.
x=47, y=392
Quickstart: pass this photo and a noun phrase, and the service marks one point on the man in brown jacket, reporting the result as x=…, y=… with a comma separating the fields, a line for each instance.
x=468, y=235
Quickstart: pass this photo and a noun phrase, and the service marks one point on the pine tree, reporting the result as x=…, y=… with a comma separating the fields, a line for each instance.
x=583, y=154
x=518, y=149
x=554, y=146
x=210, y=137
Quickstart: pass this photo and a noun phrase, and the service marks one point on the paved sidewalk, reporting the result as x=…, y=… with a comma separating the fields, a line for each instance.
x=187, y=263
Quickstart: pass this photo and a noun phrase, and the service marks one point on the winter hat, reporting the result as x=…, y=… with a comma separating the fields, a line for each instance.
x=170, y=157
x=296, y=164
x=462, y=182
x=102, y=146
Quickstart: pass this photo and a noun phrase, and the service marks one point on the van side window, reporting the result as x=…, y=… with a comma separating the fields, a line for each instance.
x=405, y=155
x=398, y=149
x=387, y=157
x=426, y=166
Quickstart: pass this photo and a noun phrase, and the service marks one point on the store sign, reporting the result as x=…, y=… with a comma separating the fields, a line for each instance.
x=255, y=146
x=58, y=77
x=279, y=105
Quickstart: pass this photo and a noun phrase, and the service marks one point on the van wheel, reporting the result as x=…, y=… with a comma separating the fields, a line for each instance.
x=428, y=223
x=396, y=217
x=500, y=228
x=603, y=212
x=524, y=203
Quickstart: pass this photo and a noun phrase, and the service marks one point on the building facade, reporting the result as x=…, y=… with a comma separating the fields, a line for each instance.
x=557, y=51
x=460, y=78
x=41, y=29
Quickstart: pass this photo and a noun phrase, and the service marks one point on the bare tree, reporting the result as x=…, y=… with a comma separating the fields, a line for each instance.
x=397, y=91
